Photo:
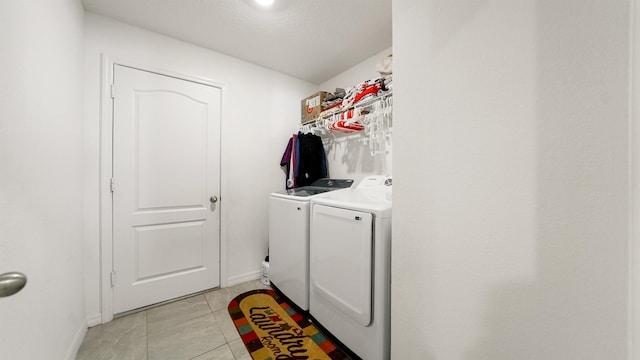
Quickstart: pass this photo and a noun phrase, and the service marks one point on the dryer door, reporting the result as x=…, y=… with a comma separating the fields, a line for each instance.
x=340, y=260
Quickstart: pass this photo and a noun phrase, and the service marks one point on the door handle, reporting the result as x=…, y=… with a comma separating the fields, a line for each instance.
x=11, y=283
x=213, y=199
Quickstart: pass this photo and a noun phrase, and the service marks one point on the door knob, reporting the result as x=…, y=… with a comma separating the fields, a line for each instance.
x=213, y=199
x=11, y=283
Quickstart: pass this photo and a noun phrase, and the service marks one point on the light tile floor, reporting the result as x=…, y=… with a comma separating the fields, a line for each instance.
x=195, y=328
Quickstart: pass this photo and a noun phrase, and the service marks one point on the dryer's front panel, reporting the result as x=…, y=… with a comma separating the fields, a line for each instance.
x=341, y=253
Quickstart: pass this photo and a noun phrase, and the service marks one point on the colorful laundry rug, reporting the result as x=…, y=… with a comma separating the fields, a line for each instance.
x=272, y=330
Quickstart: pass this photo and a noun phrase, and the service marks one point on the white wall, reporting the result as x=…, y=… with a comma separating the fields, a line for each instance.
x=41, y=177
x=510, y=180
x=635, y=185
x=347, y=155
x=262, y=112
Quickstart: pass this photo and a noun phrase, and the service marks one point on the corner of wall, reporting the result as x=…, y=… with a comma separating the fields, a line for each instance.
x=77, y=341
x=94, y=319
x=239, y=279
x=634, y=183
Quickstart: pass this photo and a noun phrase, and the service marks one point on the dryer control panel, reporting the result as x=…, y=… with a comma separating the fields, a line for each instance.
x=375, y=181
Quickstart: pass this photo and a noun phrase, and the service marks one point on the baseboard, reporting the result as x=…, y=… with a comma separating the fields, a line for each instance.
x=239, y=279
x=77, y=341
x=93, y=320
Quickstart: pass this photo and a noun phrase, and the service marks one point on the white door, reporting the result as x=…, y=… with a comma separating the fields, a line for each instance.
x=166, y=179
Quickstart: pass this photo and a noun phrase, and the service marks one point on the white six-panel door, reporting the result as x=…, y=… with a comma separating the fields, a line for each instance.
x=166, y=166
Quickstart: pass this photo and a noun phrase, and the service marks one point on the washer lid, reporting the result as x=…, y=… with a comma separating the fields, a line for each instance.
x=306, y=191
x=333, y=183
x=318, y=187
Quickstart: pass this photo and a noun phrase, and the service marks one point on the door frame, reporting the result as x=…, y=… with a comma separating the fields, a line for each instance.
x=106, y=170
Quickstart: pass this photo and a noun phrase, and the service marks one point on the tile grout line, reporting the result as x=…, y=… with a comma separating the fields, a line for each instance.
x=146, y=331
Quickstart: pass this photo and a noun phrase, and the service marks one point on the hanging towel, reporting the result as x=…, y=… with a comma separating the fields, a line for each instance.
x=289, y=160
x=311, y=159
x=305, y=159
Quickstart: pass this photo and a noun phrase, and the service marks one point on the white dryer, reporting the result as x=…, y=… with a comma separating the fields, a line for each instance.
x=289, y=237
x=350, y=265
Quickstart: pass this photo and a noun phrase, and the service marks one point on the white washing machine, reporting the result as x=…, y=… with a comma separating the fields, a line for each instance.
x=350, y=265
x=289, y=237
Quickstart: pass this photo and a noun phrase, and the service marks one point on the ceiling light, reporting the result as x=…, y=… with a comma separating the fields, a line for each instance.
x=264, y=2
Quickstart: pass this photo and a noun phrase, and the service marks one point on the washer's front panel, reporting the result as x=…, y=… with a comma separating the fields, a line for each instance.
x=289, y=248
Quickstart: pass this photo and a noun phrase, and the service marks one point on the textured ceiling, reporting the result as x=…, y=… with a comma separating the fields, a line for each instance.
x=312, y=40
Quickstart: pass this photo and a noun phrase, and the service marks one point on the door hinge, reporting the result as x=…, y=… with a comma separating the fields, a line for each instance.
x=113, y=278
x=112, y=185
x=113, y=91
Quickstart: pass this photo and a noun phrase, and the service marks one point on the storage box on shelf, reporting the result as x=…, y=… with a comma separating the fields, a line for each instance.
x=311, y=107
